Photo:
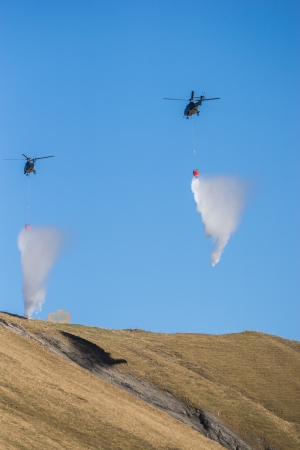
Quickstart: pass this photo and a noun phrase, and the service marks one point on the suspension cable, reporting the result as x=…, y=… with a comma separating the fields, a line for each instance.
x=28, y=201
x=194, y=145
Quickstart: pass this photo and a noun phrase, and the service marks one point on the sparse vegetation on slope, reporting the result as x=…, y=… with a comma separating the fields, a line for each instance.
x=47, y=402
x=249, y=381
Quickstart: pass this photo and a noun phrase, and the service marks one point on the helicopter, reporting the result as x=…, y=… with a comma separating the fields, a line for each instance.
x=194, y=102
x=29, y=165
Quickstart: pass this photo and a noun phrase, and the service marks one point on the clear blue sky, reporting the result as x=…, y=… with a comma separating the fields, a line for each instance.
x=85, y=81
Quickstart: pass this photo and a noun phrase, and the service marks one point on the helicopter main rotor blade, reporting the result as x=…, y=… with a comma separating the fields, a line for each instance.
x=182, y=99
x=25, y=156
x=216, y=98
x=42, y=157
x=13, y=159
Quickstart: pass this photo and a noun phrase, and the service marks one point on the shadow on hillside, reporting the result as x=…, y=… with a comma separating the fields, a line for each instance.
x=91, y=354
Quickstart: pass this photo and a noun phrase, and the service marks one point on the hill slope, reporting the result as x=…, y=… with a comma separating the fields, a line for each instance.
x=241, y=390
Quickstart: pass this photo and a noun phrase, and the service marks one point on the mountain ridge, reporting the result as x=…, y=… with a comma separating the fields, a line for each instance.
x=186, y=371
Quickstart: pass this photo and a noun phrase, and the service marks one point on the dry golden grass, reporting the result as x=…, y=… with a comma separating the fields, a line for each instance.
x=49, y=403
x=250, y=380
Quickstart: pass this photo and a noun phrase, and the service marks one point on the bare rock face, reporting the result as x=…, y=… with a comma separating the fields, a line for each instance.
x=219, y=433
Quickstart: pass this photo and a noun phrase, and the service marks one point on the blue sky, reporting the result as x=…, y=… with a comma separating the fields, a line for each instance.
x=84, y=81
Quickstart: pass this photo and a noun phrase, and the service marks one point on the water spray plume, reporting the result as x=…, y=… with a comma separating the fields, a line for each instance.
x=39, y=247
x=220, y=201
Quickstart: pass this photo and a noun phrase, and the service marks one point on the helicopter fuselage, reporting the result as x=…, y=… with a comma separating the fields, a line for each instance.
x=192, y=108
x=29, y=167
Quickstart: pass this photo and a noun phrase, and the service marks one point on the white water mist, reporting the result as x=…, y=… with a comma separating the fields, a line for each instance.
x=39, y=247
x=220, y=201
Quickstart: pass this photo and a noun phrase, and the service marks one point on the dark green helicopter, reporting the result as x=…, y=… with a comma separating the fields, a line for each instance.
x=29, y=165
x=192, y=107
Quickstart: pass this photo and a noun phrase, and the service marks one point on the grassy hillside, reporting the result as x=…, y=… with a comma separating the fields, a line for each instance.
x=250, y=381
x=47, y=402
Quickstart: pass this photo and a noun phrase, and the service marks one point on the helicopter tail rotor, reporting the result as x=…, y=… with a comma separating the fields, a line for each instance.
x=202, y=98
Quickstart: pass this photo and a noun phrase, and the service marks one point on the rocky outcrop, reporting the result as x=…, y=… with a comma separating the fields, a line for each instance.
x=219, y=433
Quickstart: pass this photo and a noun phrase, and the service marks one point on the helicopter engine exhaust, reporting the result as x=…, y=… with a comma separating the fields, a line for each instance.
x=220, y=201
x=39, y=247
